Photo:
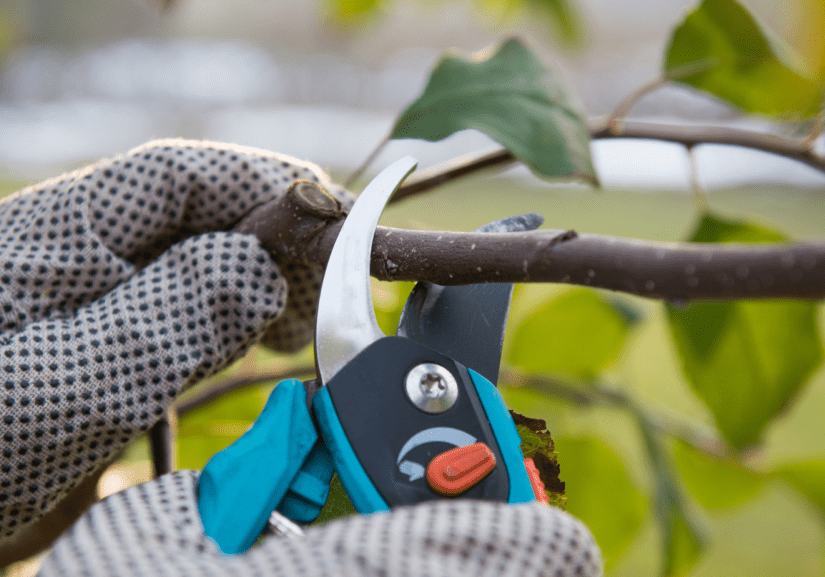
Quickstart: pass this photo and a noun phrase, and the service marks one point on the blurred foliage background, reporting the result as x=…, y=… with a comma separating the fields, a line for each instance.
x=325, y=80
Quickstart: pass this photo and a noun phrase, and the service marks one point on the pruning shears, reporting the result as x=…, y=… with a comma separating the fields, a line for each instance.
x=401, y=419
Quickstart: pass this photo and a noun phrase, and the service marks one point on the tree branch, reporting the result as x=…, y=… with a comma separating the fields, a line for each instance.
x=595, y=395
x=211, y=391
x=672, y=271
x=160, y=446
x=689, y=136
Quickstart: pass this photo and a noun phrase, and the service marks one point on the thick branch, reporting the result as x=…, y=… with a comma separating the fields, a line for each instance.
x=677, y=272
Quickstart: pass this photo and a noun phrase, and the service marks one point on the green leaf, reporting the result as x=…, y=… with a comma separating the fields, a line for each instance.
x=715, y=483
x=682, y=541
x=600, y=493
x=721, y=48
x=682, y=544
x=746, y=359
x=718, y=229
x=352, y=11
x=576, y=334
x=389, y=299
x=807, y=477
x=215, y=426
x=8, y=34
x=514, y=98
x=338, y=503
x=561, y=15
x=537, y=444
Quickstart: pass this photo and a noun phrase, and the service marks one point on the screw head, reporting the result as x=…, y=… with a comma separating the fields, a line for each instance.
x=431, y=388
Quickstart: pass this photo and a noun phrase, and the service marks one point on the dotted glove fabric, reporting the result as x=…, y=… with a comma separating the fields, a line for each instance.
x=153, y=529
x=116, y=294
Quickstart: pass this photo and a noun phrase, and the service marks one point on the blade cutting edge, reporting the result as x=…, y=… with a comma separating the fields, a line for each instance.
x=346, y=323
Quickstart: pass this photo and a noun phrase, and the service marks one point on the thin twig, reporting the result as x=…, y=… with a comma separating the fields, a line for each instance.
x=689, y=136
x=160, y=446
x=816, y=130
x=211, y=391
x=696, y=135
x=592, y=394
x=628, y=102
x=424, y=180
x=364, y=165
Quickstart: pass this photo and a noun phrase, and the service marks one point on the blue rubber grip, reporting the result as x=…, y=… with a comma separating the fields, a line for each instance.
x=354, y=478
x=309, y=490
x=509, y=442
x=241, y=485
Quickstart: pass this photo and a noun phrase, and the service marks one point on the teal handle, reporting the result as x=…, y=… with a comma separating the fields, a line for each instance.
x=241, y=485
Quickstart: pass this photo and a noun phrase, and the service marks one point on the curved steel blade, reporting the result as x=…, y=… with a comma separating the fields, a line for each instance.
x=346, y=322
x=465, y=323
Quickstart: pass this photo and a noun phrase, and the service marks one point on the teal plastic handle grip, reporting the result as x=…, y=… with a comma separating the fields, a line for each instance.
x=241, y=486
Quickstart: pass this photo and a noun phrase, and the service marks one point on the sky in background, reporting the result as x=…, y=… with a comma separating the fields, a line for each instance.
x=93, y=78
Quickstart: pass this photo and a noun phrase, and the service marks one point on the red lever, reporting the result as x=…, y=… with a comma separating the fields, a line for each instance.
x=455, y=471
x=535, y=481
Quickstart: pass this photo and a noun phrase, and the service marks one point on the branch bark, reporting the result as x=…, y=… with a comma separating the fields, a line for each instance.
x=672, y=271
x=213, y=391
x=593, y=394
x=160, y=446
x=686, y=135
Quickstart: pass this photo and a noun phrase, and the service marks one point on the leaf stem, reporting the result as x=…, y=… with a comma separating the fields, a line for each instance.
x=622, y=109
x=699, y=195
x=816, y=130
x=364, y=165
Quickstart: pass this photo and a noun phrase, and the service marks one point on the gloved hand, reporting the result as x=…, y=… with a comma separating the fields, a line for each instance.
x=116, y=294
x=153, y=529
x=110, y=306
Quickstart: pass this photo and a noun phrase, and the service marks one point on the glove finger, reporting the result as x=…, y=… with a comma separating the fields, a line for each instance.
x=295, y=328
x=141, y=200
x=78, y=389
x=74, y=238
x=153, y=529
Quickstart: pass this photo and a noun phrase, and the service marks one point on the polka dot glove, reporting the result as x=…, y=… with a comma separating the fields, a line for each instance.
x=116, y=294
x=154, y=529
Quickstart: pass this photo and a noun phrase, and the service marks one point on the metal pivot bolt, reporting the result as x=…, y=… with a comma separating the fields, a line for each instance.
x=431, y=388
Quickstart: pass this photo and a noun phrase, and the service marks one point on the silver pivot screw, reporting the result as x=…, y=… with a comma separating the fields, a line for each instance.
x=431, y=388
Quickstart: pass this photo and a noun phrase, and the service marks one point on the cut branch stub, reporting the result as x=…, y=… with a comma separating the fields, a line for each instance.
x=286, y=224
